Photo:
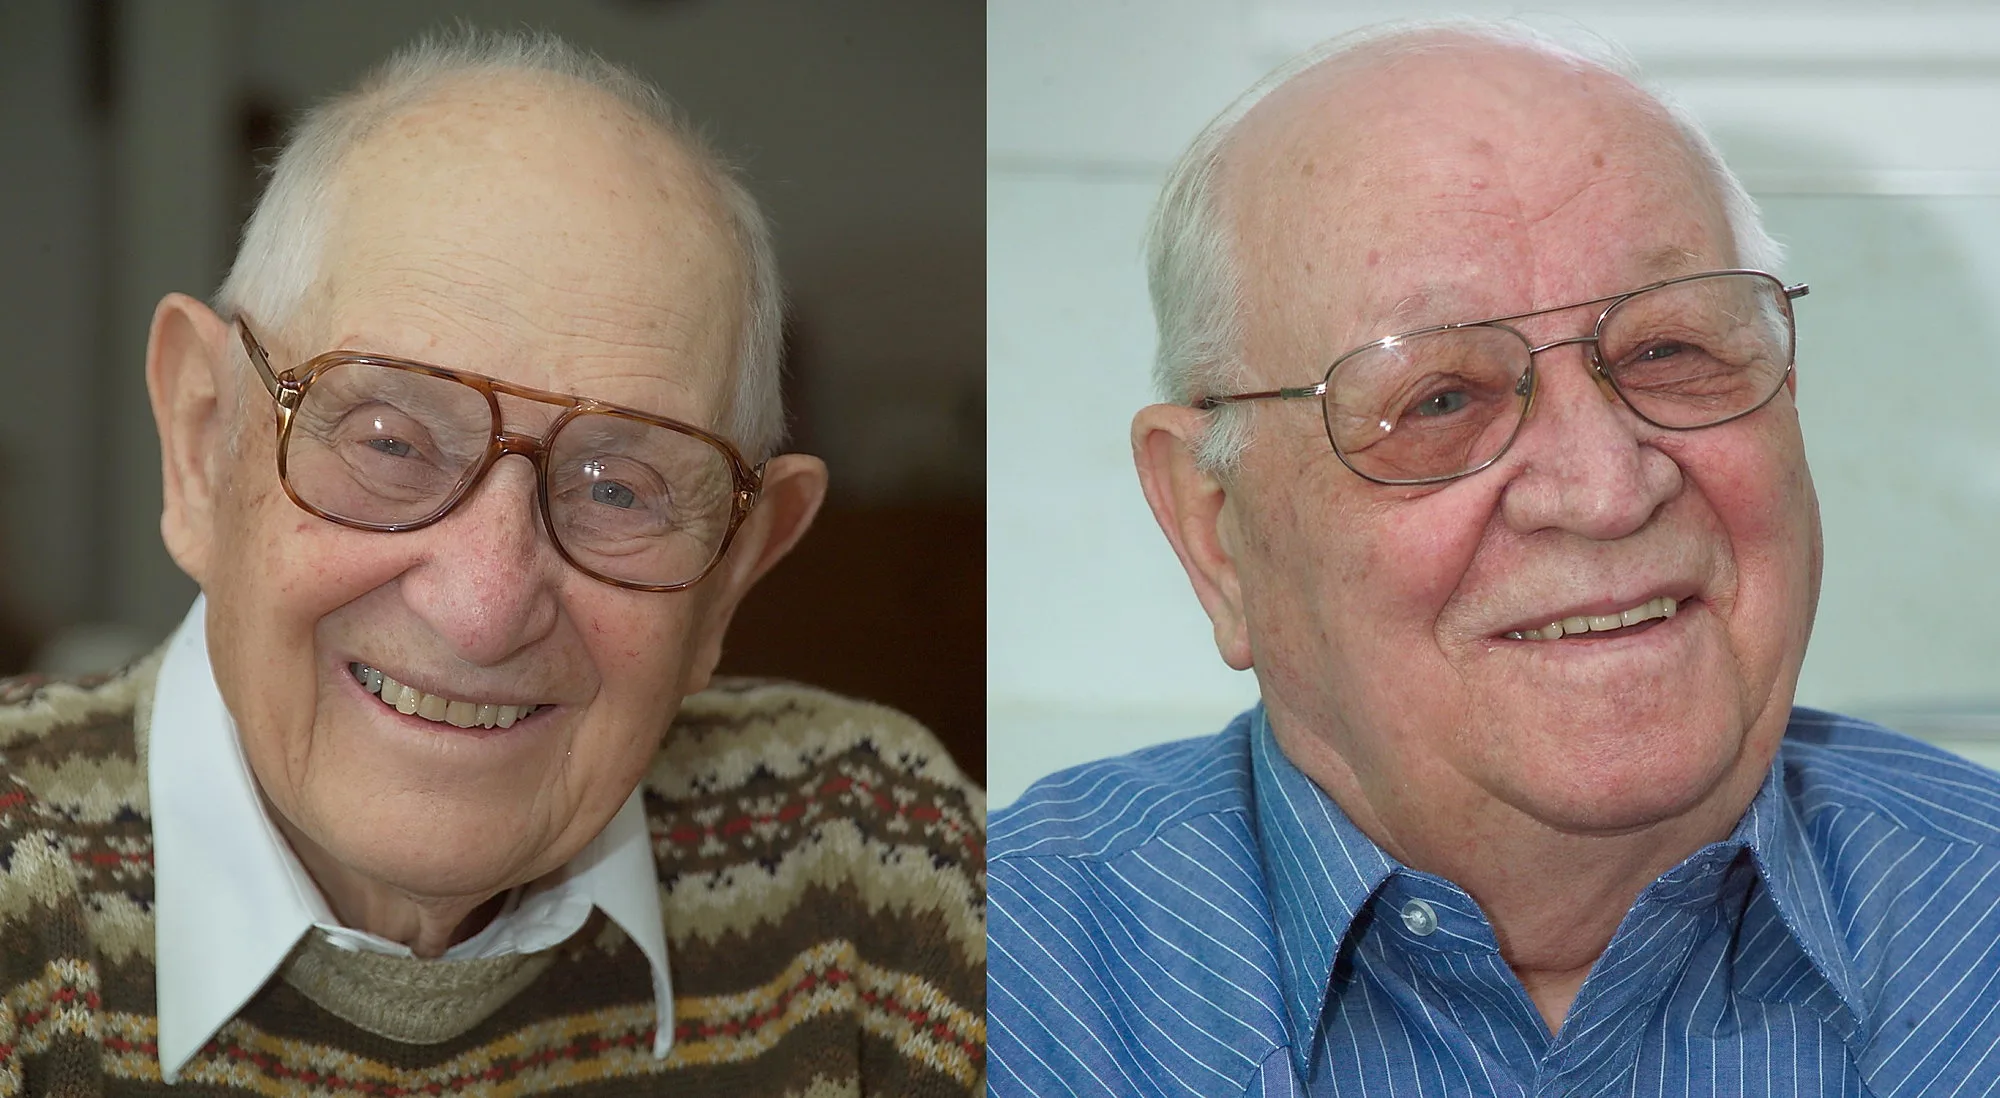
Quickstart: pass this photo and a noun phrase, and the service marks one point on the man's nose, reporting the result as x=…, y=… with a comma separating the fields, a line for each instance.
x=488, y=583
x=1583, y=463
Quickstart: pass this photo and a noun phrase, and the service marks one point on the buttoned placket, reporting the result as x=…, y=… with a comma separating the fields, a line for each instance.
x=1430, y=950
x=1693, y=907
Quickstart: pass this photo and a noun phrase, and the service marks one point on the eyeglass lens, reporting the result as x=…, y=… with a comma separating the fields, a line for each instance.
x=1433, y=405
x=629, y=500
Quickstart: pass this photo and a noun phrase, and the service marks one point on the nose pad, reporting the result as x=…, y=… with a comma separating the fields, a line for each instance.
x=527, y=446
x=1593, y=362
x=1603, y=378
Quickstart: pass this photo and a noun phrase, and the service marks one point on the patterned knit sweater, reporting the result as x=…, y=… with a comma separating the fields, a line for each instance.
x=822, y=879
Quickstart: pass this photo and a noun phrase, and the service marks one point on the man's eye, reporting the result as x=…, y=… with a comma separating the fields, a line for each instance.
x=1443, y=404
x=1659, y=352
x=394, y=447
x=614, y=494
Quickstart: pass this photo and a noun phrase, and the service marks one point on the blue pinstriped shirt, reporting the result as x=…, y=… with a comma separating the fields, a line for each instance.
x=1200, y=919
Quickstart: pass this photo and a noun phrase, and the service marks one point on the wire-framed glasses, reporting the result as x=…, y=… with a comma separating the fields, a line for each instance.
x=386, y=444
x=1439, y=403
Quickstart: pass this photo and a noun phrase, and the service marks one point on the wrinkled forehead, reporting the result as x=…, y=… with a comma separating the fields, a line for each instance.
x=541, y=234
x=1459, y=182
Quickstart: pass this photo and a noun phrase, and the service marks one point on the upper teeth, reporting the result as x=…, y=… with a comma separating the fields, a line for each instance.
x=1662, y=607
x=432, y=707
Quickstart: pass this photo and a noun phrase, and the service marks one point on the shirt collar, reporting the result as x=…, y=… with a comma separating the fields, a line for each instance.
x=1795, y=884
x=231, y=899
x=1321, y=870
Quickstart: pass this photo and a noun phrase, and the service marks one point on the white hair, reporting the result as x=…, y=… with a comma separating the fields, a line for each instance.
x=278, y=263
x=1190, y=263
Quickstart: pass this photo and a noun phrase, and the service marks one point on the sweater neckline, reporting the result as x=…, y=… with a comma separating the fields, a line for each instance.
x=408, y=999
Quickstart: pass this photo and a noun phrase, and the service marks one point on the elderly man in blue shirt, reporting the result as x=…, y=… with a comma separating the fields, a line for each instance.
x=1480, y=448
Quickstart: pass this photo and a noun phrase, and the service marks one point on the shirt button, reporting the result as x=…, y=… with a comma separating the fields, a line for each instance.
x=1419, y=919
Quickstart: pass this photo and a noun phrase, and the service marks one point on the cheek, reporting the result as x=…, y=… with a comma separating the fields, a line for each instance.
x=285, y=572
x=625, y=650
x=637, y=643
x=1356, y=582
x=1426, y=547
x=1762, y=496
x=297, y=564
x=638, y=655
x=1756, y=484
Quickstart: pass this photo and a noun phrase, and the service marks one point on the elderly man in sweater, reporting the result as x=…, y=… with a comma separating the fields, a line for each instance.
x=432, y=792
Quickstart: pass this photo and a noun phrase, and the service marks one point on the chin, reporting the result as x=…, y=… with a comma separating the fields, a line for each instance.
x=1611, y=776
x=425, y=845
x=1599, y=800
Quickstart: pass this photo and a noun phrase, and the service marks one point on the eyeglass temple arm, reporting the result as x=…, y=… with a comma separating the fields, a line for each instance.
x=1797, y=290
x=258, y=358
x=1210, y=403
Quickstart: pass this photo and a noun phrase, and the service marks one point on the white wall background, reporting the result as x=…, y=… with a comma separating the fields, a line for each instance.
x=1870, y=132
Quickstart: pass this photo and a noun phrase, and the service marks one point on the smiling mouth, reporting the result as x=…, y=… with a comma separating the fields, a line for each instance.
x=1657, y=609
x=436, y=708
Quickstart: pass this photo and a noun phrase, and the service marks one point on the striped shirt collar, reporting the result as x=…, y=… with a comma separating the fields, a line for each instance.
x=1320, y=871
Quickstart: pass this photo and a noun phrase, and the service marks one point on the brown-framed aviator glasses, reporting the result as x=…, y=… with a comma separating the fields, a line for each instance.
x=1442, y=402
x=386, y=444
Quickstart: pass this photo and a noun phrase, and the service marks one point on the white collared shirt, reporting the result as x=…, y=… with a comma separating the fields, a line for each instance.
x=231, y=898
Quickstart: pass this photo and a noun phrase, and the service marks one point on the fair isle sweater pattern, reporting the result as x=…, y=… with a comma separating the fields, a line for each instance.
x=822, y=879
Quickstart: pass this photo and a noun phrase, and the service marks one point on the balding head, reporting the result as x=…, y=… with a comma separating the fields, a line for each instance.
x=451, y=91
x=1387, y=113
x=536, y=207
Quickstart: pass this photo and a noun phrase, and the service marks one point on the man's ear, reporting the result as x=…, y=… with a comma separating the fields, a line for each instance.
x=187, y=372
x=794, y=487
x=1192, y=508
